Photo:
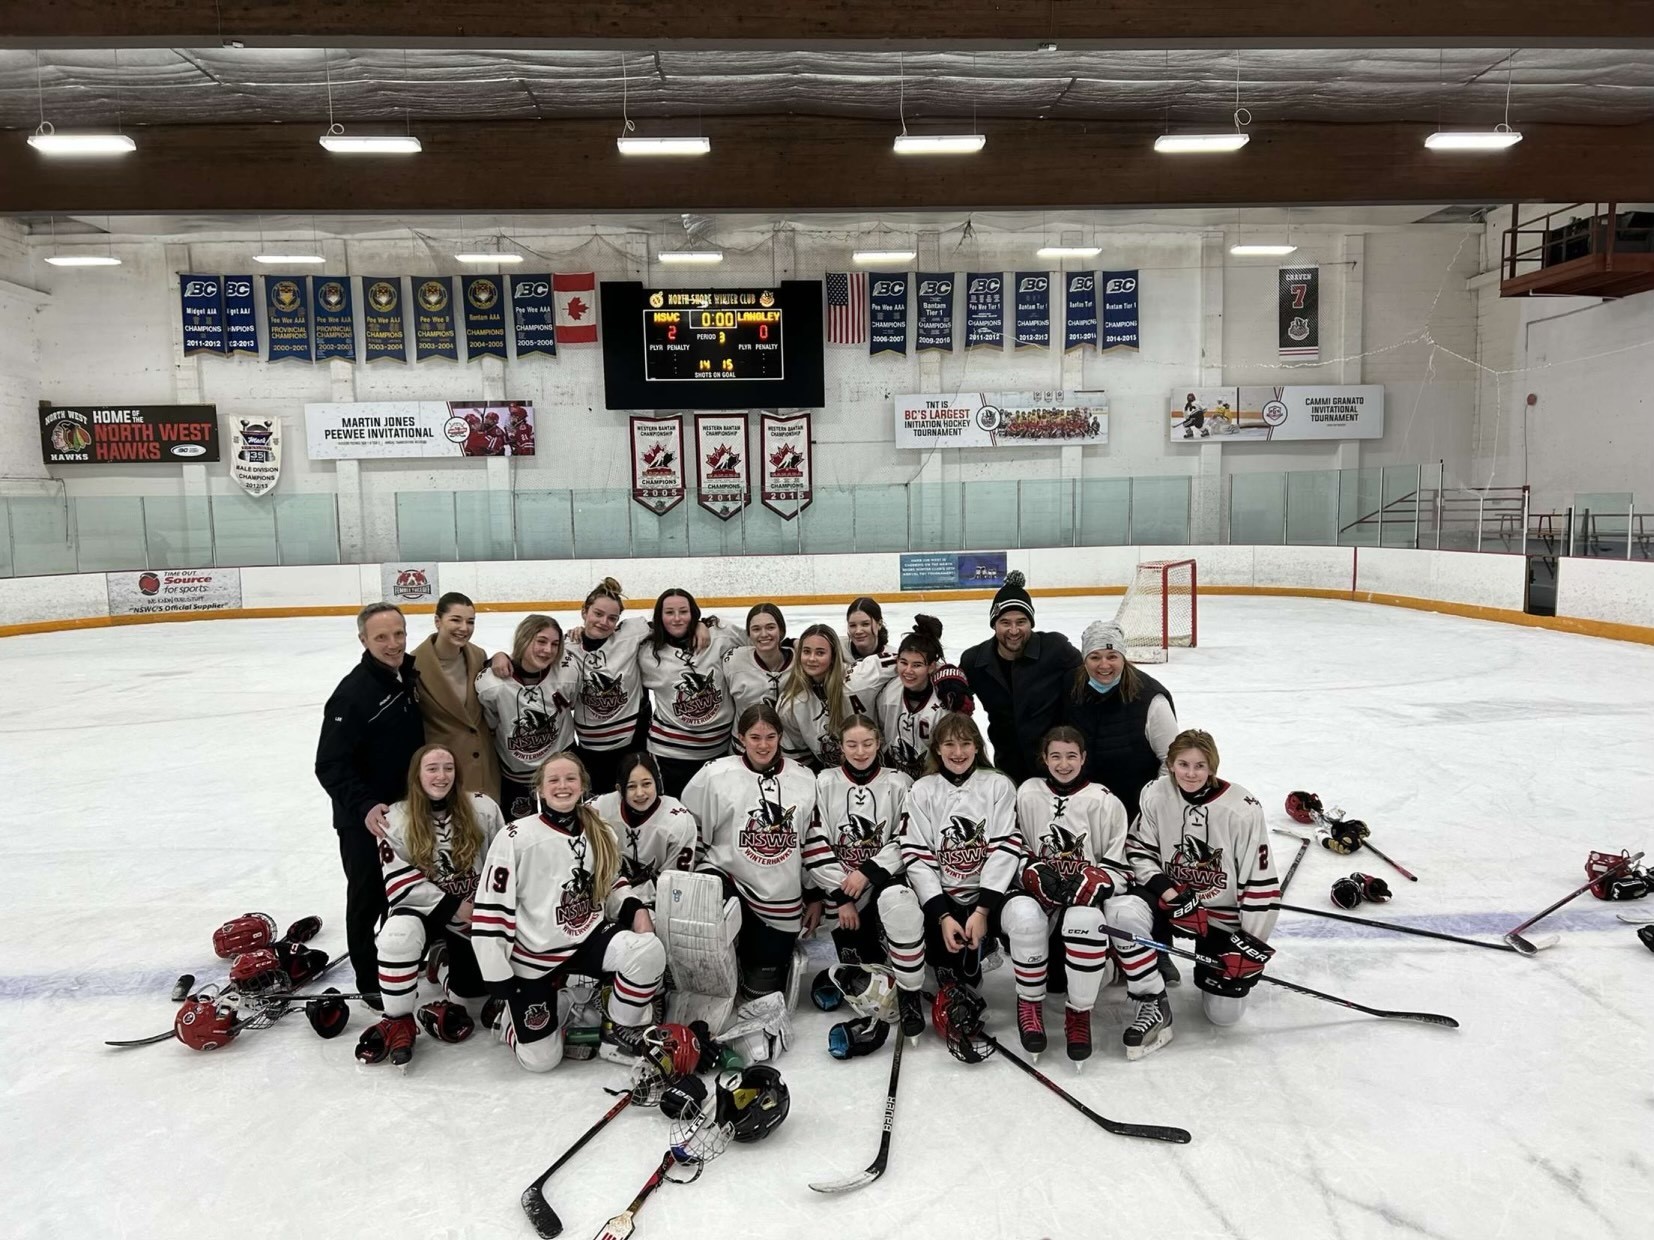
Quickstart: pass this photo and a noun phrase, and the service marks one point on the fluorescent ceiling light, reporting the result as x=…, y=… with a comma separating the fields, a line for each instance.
x=370, y=144
x=939, y=143
x=1068, y=251
x=1262, y=250
x=289, y=260
x=488, y=256
x=690, y=256
x=1200, y=143
x=1473, y=140
x=884, y=256
x=84, y=260
x=47, y=142
x=664, y=146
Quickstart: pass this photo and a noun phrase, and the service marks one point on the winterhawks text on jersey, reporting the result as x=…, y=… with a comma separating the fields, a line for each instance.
x=768, y=843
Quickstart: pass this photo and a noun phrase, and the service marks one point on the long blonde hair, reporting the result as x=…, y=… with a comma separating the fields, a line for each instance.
x=798, y=685
x=422, y=824
x=600, y=838
x=528, y=629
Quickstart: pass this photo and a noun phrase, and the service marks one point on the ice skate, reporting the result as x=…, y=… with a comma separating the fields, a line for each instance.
x=1151, y=1028
x=1031, y=1025
x=1077, y=1031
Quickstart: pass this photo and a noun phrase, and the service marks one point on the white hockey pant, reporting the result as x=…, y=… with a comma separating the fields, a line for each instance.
x=636, y=963
x=1088, y=952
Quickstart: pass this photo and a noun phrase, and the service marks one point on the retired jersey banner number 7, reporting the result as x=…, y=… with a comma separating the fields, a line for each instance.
x=1300, y=313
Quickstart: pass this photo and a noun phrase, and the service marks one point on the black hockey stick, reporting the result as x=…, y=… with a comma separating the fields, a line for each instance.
x=242, y=1025
x=539, y=1211
x=1151, y=1132
x=1514, y=937
x=1303, y=847
x=1541, y=943
x=875, y=1168
x=1423, y=1018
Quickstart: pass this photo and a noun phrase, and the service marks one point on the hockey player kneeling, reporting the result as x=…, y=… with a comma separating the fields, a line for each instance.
x=552, y=905
x=731, y=931
x=1201, y=850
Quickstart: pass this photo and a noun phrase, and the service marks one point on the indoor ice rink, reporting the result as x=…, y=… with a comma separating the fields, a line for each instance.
x=1347, y=317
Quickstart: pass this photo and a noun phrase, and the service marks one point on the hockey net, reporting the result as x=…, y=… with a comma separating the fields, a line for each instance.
x=1160, y=609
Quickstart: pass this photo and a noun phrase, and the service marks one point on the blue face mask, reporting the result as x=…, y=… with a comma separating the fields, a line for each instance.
x=1100, y=686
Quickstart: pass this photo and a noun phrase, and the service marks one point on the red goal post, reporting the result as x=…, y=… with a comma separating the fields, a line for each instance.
x=1161, y=609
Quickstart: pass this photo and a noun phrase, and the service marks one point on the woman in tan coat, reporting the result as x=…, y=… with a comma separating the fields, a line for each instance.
x=448, y=665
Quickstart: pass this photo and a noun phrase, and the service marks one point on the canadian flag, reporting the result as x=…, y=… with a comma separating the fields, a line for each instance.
x=576, y=307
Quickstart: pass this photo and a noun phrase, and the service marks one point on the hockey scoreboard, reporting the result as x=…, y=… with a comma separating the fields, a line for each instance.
x=712, y=335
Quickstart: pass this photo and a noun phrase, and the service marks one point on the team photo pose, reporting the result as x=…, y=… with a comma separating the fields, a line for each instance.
x=611, y=715
x=655, y=831
x=1073, y=881
x=692, y=712
x=754, y=671
x=1201, y=852
x=553, y=904
x=869, y=662
x=449, y=663
x=924, y=689
x=432, y=854
x=962, y=851
x=530, y=709
x=815, y=701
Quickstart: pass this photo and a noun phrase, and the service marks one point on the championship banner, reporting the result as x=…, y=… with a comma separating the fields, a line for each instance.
x=1001, y=419
x=1033, y=329
x=1120, y=329
x=484, y=316
x=1080, y=310
x=934, y=329
x=287, y=317
x=173, y=589
x=240, y=315
x=887, y=312
x=785, y=482
x=128, y=434
x=433, y=305
x=255, y=454
x=384, y=328
x=335, y=324
x=1353, y=411
x=1300, y=313
x=370, y=430
x=201, y=299
x=984, y=310
x=657, y=463
x=532, y=318
x=721, y=453
x=575, y=298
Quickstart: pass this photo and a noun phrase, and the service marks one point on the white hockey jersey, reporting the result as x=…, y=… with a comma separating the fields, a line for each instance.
x=1086, y=826
x=866, y=677
x=530, y=721
x=752, y=831
x=807, y=732
x=665, y=840
x=1220, y=848
x=906, y=730
x=535, y=904
x=421, y=891
x=693, y=713
x=855, y=828
x=961, y=841
x=750, y=681
x=611, y=690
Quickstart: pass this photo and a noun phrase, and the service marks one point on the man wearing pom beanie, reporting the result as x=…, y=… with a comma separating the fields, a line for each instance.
x=1020, y=677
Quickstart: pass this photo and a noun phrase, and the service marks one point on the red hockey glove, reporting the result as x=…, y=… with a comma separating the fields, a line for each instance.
x=1351, y=891
x=303, y=930
x=953, y=689
x=445, y=1021
x=1186, y=911
x=1096, y=885
x=1042, y=881
x=301, y=963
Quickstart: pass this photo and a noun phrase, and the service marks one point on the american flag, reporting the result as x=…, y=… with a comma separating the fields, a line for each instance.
x=846, y=307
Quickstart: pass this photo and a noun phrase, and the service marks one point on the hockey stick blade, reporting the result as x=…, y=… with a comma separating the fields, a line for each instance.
x=1539, y=944
x=168, y=1036
x=1149, y=1132
x=875, y=1168
x=1515, y=939
x=540, y=1214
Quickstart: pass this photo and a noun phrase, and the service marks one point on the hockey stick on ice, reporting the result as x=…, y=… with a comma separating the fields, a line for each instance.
x=1303, y=847
x=1527, y=948
x=684, y=1149
x=242, y=1025
x=875, y=1168
x=539, y=1211
x=1423, y=1018
x=1152, y=1132
x=1327, y=820
x=1541, y=943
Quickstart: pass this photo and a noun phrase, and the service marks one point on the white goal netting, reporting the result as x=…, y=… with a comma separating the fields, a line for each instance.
x=1160, y=609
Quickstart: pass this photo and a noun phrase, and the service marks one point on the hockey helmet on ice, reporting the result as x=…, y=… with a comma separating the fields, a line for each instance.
x=753, y=1102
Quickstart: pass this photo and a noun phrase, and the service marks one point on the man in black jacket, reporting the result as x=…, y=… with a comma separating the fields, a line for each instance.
x=1020, y=677
x=371, y=730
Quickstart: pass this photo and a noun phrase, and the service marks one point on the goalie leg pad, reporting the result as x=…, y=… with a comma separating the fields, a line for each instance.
x=904, y=935
x=762, y=1028
x=698, y=927
x=1027, y=926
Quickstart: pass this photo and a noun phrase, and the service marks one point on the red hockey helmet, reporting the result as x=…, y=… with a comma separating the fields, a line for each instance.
x=202, y=1024
x=1302, y=806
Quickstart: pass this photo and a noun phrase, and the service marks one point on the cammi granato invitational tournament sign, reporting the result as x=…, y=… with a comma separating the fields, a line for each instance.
x=369, y=429
x=128, y=434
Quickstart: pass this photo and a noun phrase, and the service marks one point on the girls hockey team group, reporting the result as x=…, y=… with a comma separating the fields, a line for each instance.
x=814, y=779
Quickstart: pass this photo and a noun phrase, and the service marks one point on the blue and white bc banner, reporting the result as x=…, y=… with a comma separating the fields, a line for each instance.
x=887, y=312
x=484, y=316
x=985, y=310
x=434, y=332
x=1033, y=310
x=202, y=300
x=335, y=324
x=532, y=316
x=287, y=317
x=1080, y=315
x=240, y=315
x=1120, y=329
x=384, y=327
x=934, y=290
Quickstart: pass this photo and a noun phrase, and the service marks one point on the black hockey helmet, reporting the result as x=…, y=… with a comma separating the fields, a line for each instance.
x=753, y=1102
x=957, y=1016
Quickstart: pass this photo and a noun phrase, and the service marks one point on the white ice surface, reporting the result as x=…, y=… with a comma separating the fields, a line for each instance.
x=158, y=780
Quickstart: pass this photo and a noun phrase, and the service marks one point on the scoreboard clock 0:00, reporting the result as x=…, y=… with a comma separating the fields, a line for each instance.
x=712, y=335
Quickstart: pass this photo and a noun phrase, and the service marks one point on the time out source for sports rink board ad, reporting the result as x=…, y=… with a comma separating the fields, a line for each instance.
x=1350, y=411
x=1001, y=419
